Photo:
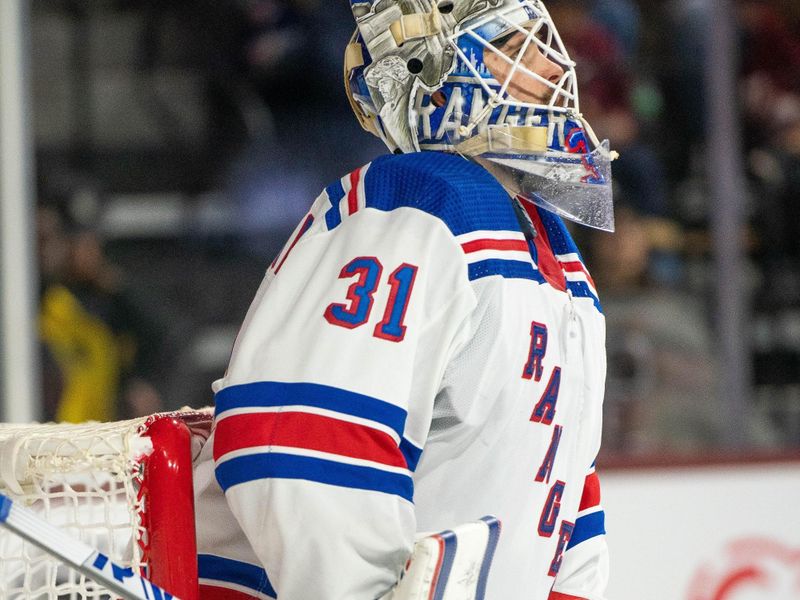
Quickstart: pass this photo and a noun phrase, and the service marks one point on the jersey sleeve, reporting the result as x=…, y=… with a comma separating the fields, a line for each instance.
x=323, y=411
x=583, y=574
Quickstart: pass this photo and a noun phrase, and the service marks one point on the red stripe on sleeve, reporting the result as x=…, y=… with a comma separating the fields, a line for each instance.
x=352, y=195
x=488, y=244
x=212, y=592
x=305, y=227
x=552, y=596
x=591, y=492
x=577, y=267
x=308, y=431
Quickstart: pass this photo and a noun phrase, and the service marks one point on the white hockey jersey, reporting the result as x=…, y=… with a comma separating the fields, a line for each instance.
x=423, y=352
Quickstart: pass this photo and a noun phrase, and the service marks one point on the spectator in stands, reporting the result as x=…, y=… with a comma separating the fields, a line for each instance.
x=771, y=103
x=770, y=84
x=101, y=346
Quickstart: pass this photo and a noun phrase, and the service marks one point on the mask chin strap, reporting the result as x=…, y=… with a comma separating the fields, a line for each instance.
x=505, y=139
x=416, y=26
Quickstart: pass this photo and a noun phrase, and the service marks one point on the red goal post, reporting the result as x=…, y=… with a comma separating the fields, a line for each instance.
x=124, y=488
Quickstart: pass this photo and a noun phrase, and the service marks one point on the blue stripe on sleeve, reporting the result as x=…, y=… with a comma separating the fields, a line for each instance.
x=271, y=393
x=335, y=194
x=411, y=453
x=228, y=570
x=289, y=466
x=510, y=269
x=587, y=527
x=580, y=289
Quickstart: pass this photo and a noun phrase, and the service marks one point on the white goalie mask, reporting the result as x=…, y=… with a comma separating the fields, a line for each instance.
x=489, y=79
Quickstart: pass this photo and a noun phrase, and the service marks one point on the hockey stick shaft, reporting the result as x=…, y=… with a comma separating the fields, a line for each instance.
x=81, y=557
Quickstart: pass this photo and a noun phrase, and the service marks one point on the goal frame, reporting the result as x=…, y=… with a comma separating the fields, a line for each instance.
x=143, y=465
x=167, y=489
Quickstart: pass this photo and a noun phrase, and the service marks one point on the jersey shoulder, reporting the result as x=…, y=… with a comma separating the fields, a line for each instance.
x=463, y=195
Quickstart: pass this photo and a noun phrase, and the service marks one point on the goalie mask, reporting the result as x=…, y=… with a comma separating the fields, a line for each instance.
x=489, y=79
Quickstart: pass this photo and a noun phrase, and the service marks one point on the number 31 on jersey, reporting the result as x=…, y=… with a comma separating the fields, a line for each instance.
x=360, y=297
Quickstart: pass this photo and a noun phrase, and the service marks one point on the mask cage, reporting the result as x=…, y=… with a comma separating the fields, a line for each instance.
x=487, y=33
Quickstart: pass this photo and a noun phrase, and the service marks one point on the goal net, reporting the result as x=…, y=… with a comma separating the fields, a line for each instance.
x=124, y=488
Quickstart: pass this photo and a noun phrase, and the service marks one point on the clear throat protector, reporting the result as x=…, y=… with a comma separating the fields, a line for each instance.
x=523, y=123
x=573, y=185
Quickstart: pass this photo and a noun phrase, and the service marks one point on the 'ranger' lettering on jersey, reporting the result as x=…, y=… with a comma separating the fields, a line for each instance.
x=422, y=353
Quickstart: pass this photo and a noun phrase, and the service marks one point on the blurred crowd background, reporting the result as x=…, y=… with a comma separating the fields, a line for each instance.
x=178, y=143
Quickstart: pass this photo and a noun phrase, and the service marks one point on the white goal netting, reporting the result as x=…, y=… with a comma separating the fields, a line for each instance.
x=86, y=479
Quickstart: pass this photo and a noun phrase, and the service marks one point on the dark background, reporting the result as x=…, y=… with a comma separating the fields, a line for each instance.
x=179, y=142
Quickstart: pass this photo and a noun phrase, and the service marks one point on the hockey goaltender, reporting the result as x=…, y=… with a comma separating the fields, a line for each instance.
x=427, y=353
